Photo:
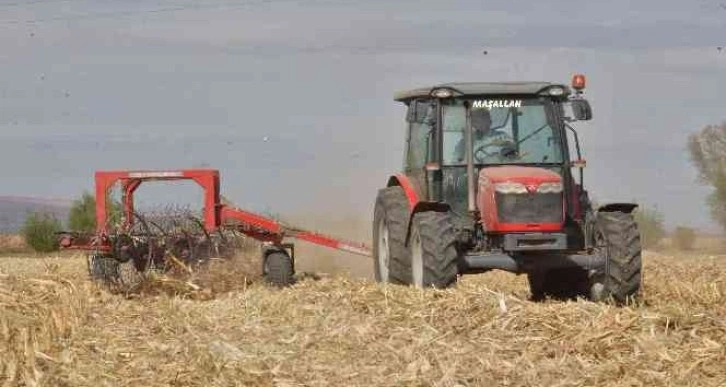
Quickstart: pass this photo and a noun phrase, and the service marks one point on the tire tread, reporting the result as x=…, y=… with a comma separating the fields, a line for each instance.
x=393, y=204
x=438, y=243
x=624, y=262
x=280, y=271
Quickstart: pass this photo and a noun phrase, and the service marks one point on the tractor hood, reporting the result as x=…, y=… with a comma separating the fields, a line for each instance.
x=520, y=199
x=519, y=174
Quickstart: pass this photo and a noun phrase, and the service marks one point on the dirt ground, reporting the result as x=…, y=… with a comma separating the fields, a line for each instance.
x=58, y=329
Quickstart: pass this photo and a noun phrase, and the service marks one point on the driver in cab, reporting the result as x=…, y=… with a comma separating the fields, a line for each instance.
x=490, y=145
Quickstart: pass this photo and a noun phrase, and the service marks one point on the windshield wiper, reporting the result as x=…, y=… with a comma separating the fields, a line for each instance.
x=524, y=164
x=527, y=137
x=506, y=164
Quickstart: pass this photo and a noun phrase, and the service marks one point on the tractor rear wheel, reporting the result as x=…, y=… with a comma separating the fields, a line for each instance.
x=434, y=257
x=390, y=256
x=278, y=269
x=617, y=238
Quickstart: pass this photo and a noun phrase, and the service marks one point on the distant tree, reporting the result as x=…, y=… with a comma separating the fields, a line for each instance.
x=82, y=216
x=651, y=224
x=39, y=231
x=684, y=238
x=707, y=149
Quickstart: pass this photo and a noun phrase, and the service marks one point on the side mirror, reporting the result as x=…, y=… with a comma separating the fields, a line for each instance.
x=579, y=163
x=581, y=109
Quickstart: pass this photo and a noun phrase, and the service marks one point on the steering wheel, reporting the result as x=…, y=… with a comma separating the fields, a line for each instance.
x=480, y=154
x=508, y=150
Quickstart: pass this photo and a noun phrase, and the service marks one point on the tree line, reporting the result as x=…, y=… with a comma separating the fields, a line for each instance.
x=40, y=229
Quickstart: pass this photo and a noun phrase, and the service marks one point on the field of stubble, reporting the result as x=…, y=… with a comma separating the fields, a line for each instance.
x=58, y=329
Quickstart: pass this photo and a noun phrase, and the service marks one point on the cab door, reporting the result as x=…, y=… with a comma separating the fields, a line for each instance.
x=420, y=143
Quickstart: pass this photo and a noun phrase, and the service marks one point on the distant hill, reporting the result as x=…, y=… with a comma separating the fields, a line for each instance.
x=14, y=209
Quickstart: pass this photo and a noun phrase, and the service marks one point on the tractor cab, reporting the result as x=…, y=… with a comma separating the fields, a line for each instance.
x=509, y=135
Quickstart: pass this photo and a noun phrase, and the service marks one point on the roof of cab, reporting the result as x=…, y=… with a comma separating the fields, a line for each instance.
x=461, y=89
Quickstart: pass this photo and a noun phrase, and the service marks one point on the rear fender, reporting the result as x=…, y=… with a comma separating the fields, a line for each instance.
x=415, y=205
x=401, y=180
x=423, y=207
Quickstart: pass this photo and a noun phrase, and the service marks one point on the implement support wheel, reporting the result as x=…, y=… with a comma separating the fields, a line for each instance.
x=278, y=268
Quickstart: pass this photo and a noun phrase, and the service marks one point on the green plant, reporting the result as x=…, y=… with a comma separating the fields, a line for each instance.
x=82, y=216
x=39, y=231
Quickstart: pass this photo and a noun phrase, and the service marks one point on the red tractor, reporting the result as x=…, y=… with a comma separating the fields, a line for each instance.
x=493, y=179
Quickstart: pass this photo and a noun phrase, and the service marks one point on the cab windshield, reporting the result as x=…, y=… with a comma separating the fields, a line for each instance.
x=505, y=131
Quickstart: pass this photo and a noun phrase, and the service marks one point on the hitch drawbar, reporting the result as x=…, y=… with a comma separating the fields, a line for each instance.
x=270, y=230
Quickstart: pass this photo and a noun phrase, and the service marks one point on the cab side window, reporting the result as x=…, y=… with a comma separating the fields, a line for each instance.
x=421, y=124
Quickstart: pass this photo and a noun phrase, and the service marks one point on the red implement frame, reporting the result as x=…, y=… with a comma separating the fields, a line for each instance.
x=215, y=214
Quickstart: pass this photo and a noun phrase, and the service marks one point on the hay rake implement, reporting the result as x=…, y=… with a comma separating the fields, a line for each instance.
x=127, y=246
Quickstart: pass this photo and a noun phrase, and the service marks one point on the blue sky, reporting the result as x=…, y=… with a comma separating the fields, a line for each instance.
x=91, y=85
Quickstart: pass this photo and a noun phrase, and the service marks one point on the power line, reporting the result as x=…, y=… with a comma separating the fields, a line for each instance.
x=33, y=2
x=122, y=14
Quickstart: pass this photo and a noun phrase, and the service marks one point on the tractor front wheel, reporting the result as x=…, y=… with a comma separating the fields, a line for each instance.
x=434, y=257
x=617, y=239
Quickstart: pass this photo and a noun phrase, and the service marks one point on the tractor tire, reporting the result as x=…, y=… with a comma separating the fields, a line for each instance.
x=621, y=276
x=433, y=250
x=560, y=284
x=391, y=259
x=278, y=269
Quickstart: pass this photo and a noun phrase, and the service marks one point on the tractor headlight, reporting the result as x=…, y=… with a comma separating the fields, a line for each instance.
x=510, y=188
x=442, y=93
x=556, y=90
x=550, y=188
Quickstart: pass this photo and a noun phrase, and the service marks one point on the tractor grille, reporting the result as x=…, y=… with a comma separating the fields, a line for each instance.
x=529, y=208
